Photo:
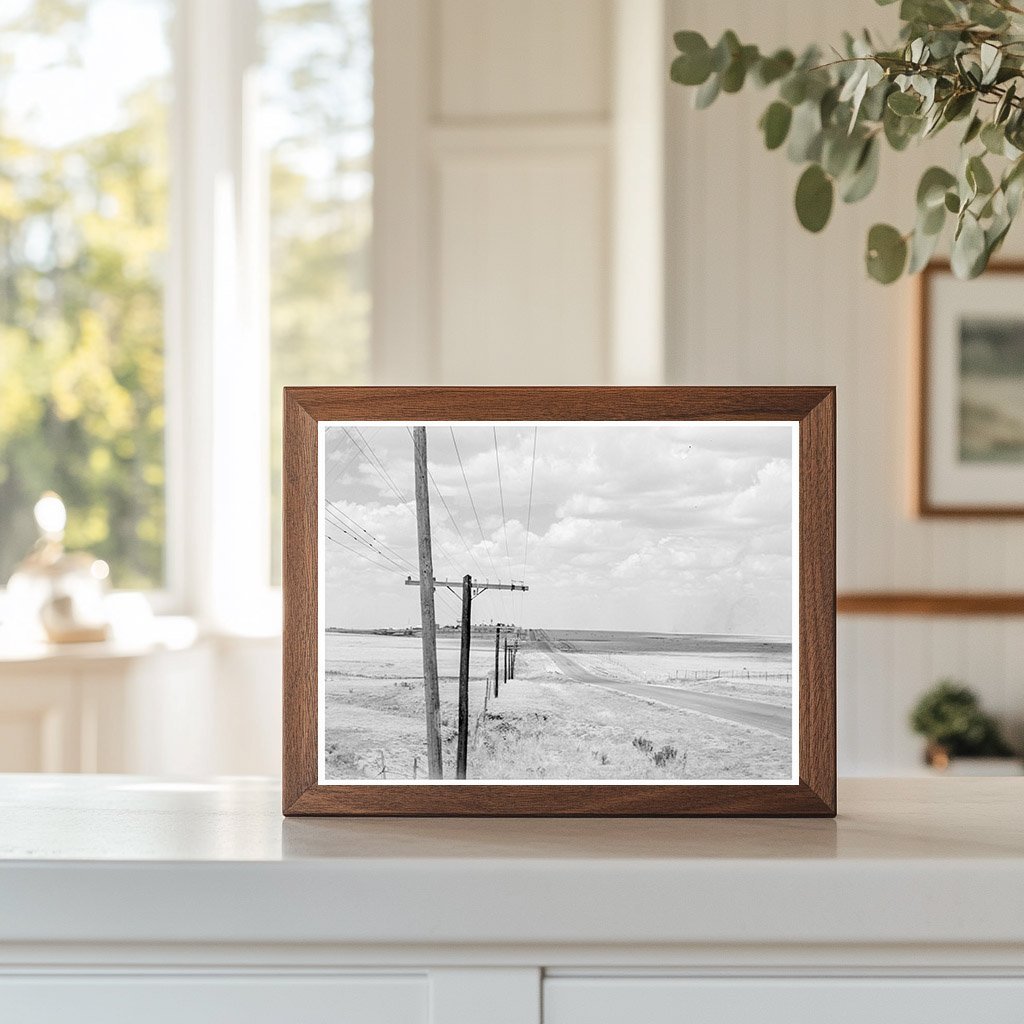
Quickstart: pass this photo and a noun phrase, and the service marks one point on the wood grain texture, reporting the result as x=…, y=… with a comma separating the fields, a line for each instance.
x=812, y=407
x=299, y=598
x=923, y=503
x=924, y=603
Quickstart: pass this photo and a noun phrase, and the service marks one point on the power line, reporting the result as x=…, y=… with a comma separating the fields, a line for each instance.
x=501, y=496
x=529, y=516
x=472, y=504
x=335, y=472
x=445, y=595
x=382, y=471
x=338, y=524
x=344, y=515
x=476, y=515
x=359, y=554
x=458, y=529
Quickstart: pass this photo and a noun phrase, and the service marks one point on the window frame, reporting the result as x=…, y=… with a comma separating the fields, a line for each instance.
x=217, y=351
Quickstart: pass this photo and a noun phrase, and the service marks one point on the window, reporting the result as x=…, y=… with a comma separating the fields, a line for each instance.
x=83, y=235
x=239, y=217
x=317, y=87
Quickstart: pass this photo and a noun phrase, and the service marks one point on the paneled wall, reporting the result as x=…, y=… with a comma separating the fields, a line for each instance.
x=511, y=138
x=753, y=299
x=551, y=210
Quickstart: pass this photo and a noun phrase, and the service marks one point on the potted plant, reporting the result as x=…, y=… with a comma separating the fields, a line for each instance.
x=957, y=62
x=950, y=718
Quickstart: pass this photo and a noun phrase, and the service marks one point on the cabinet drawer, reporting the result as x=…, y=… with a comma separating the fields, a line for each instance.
x=663, y=1000
x=202, y=999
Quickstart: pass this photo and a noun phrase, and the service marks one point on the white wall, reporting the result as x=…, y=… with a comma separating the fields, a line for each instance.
x=754, y=299
x=509, y=134
x=504, y=133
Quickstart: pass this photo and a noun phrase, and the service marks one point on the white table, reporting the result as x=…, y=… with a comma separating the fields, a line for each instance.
x=125, y=898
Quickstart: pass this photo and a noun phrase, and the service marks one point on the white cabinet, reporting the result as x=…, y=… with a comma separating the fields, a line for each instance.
x=625, y=1000
x=352, y=999
x=126, y=899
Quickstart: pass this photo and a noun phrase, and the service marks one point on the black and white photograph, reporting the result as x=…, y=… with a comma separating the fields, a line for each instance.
x=543, y=602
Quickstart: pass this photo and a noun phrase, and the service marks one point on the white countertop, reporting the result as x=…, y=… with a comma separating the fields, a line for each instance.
x=120, y=859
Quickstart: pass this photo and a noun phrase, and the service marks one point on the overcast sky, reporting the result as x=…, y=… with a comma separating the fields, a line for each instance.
x=667, y=527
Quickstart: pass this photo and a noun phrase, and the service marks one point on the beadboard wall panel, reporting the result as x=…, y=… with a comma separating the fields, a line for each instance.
x=521, y=238
x=493, y=260
x=528, y=59
x=753, y=299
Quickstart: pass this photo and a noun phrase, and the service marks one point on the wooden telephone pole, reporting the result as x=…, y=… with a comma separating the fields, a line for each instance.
x=467, y=627
x=497, y=649
x=470, y=590
x=426, y=584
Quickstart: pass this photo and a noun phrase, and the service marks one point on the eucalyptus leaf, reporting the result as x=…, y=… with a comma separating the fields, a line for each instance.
x=691, y=69
x=931, y=190
x=805, y=133
x=987, y=15
x=886, y=253
x=724, y=51
x=993, y=138
x=771, y=69
x=932, y=221
x=968, y=248
x=707, y=93
x=1005, y=105
x=900, y=130
x=865, y=174
x=978, y=176
x=735, y=74
x=973, y=130
x=840, y=152
x=775, y=124
x=991, y=60
x=922, y=247
x=904, y=103
x=875, y=98
x=958, y=105
x=814, y=196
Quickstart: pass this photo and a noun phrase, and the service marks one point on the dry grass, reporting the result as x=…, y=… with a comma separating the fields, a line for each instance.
x=539, y=728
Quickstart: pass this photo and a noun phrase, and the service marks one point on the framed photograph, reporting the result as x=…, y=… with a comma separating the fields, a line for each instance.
x=970, y=450
x=559, y=601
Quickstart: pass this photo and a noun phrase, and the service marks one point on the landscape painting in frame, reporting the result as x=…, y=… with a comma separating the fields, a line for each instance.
x=549, y=602
x=972, y=393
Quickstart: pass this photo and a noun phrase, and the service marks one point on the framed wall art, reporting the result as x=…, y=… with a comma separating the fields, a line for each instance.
x=970, y=444
x=559, y=601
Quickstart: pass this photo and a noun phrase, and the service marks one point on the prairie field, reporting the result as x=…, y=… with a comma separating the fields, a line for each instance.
x=562, y=716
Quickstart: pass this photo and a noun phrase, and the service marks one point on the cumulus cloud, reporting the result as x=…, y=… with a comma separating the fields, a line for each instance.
x=677, y=527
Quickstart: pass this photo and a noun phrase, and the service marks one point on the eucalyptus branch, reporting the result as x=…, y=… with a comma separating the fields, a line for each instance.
x=954, y=60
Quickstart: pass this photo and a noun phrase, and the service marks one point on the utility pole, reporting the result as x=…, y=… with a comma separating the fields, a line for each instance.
x=505, y=679
x=470, y=589
x=429, y=623
x=497, y=647
x=467, y=626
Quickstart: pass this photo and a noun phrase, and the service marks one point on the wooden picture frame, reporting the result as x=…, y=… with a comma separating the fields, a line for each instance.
x=940, y=488
x=812, y=412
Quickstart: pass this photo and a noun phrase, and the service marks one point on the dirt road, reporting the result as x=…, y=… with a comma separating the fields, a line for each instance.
x=770, y=717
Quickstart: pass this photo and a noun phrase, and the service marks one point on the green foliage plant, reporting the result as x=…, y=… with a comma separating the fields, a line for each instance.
x=957, y=62
x=950, y=717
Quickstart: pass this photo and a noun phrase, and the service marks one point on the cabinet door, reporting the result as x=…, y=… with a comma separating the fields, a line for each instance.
x=783, y=1000
x=202, y=999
